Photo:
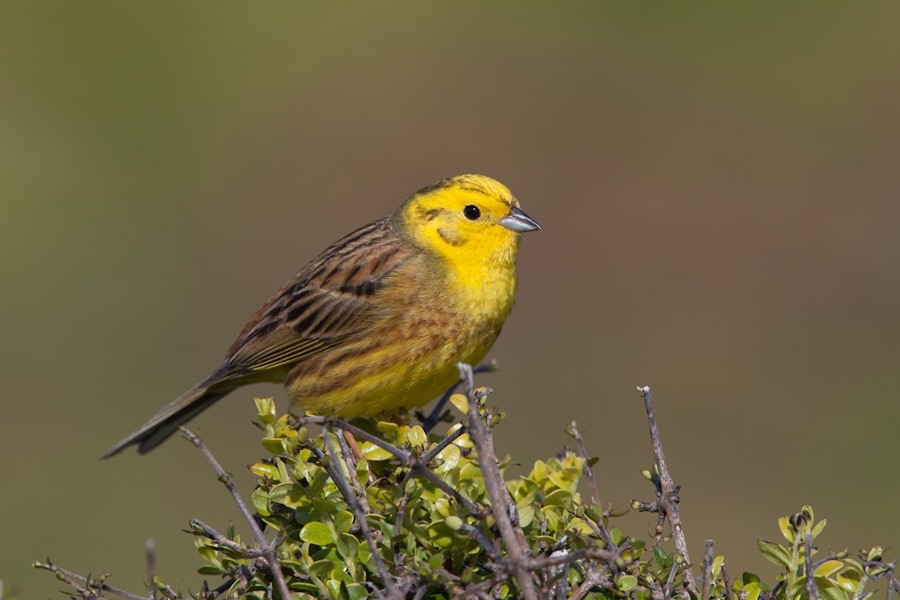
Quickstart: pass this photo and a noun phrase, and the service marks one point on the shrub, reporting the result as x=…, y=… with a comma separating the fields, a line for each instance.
x=396, y=512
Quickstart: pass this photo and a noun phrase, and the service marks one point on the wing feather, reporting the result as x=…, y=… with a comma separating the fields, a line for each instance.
x=332, y=299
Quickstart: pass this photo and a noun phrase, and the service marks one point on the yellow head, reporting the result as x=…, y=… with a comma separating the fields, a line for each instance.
x=467, y=219
x=468, y=226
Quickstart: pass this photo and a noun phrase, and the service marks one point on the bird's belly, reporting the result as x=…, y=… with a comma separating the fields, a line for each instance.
x=375, y=375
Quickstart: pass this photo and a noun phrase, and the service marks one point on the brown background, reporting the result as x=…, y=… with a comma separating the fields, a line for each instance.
x=718, y=188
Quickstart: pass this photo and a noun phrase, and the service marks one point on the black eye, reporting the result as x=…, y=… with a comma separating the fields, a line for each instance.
x=472, y=212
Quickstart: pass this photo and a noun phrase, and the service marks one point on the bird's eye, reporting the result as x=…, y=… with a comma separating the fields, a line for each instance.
x=472, y=212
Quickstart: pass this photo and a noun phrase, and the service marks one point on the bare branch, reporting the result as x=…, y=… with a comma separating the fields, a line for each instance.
x=150, y=548
x=223, y=541
x=483, y=541
x=502, y=505
x=593, y=578
x=707, y=570
x=572, y=430
x=812, y=590
x=668, y=491
x=83, y=584
x=268, y=548
x=401, y=515
x=428, y=422
x=439, y=447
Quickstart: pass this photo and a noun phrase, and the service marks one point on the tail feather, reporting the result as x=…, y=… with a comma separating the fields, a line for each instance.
x=169, y=418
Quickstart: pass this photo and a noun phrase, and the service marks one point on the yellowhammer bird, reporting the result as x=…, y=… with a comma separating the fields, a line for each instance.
x=379, y=320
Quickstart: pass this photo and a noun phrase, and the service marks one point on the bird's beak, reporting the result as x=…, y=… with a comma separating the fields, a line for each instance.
x=518, y=221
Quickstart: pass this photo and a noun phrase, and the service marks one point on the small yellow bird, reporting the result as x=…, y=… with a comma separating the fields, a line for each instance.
x=381, y=318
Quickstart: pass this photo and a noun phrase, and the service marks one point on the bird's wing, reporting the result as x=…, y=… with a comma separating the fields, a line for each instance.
x=332, y=299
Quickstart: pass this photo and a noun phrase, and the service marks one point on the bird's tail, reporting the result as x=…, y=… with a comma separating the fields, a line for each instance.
x=166, y=422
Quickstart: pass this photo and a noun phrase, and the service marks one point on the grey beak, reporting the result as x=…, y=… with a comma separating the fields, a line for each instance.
x=518, y=221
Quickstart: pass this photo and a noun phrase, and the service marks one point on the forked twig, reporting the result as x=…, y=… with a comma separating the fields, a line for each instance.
x=406, y=457
x=269, y=549
x=83, y=584
x=437, y=412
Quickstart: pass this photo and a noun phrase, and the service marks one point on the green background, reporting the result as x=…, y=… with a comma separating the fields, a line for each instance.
x=719, y=188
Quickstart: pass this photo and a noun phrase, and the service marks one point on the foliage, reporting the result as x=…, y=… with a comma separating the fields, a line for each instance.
x=410, y=514
x=427, y=536
x=835, y=576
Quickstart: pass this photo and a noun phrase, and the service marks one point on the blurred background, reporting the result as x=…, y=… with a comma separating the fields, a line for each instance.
x=718, y=187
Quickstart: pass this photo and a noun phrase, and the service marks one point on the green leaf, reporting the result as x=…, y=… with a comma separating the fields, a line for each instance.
x=717, y=563
x=365, y=557
x=538, y=471
x=274, y=445
x=787, y=530
x=796, y=588
x=441, y=535
x=450, y=455
x=441, y=506
x=264, y=470
x=753, y=591
x=356, y=591
x=818, y=527
x=849, y=579
x=617, y=536
x=460, y=402
x=626, y=582
x=260, y=500
x=265, y=410
x=560, y=480
x=660, y=555
x=210, y=570
x=526, y=515
x=774, y=553
x=748, y=578
x=551, y=516
x=827, y=568
x=558, y=498
x=388, y=429
x=875, y=553
x=372, y=452
x=471, y=471
x=302, y=586
x=830, y=592
x=347, y=546
x=316, y=533
x=343, y=521
x=416, y=436
x=291, y=495
x=321, y=568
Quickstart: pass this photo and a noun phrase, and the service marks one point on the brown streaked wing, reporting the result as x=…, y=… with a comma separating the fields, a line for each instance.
x=330, y=300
